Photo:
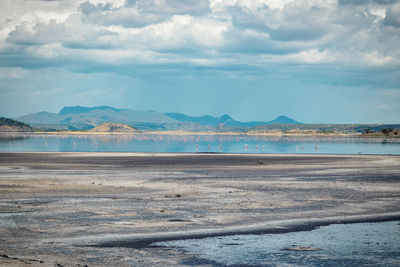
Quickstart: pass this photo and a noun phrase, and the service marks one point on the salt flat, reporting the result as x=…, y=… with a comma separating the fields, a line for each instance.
x=107, y=208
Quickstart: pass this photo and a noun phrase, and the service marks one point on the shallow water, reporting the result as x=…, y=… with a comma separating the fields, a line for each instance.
x=197, y=143
x=360, y=244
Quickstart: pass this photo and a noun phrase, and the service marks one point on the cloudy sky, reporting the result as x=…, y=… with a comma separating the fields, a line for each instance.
x=317, y=61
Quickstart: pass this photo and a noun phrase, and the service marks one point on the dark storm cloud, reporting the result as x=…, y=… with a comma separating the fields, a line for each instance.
x=126, y=16
x=141, y=13
x=295, y=34
x=199, y=7
x=290, y=24
x=21, y=57
x=250, y=42
x=393, y=16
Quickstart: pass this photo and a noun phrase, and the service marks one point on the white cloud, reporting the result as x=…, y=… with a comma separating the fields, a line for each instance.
x=314, y=56
x=245, y=31
x=374, y=59
x=184, y=32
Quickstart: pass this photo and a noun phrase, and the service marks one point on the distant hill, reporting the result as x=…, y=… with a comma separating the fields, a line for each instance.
x=80, y=110
x=112, y=127
x=202, y=120
x=284, y=120
x=10, y=125
x=86, y=118
x=226, y=120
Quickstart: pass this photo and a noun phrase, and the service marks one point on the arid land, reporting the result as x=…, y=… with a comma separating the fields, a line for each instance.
x=106, y=209
x=302, y=133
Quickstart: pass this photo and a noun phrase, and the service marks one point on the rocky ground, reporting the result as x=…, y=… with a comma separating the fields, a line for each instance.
x=97, y=209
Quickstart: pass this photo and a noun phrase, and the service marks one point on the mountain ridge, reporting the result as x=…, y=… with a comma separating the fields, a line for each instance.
x=86, y=118
x=79, y=109
x=228, y=120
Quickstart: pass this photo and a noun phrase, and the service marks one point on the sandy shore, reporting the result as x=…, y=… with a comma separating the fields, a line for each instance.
x=272, y=133
x=106, y=208
x=300, y=134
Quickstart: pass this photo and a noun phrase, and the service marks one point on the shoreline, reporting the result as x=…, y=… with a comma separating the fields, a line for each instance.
x=140, y=241
x=202, y=133
x=88, y=154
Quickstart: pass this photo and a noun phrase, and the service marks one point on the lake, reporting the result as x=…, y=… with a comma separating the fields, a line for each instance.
x=358, y=244
x=197, y=143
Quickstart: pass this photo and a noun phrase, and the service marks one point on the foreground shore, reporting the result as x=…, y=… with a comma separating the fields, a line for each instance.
x=107, y=208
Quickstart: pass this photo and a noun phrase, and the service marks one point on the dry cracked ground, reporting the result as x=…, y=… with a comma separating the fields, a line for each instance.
x=95, y=209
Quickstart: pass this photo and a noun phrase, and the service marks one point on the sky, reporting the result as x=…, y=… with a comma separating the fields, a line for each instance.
x=316, y=61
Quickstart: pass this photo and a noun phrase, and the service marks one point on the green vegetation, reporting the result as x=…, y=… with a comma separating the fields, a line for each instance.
x=112, y=127
x=10, y=125
x=365, y=129
x=383, y=131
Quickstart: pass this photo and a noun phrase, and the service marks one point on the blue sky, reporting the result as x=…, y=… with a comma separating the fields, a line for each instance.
x=317, y=61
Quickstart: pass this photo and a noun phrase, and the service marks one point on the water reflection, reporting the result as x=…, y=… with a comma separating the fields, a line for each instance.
x=197, y=143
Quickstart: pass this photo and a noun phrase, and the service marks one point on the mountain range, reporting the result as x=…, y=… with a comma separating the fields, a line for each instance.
x=86, y=118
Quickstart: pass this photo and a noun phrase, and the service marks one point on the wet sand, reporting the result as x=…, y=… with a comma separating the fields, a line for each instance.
x=107, y=208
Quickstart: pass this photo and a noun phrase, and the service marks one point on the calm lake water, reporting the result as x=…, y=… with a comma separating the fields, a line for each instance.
x=359, y=244
x=196, y=143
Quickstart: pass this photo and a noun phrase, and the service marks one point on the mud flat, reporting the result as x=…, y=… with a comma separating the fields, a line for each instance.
x=96, y=209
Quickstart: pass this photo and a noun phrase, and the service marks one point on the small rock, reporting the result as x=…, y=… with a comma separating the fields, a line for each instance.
x=232, y=244
x=302, y=249
x=177, y=220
